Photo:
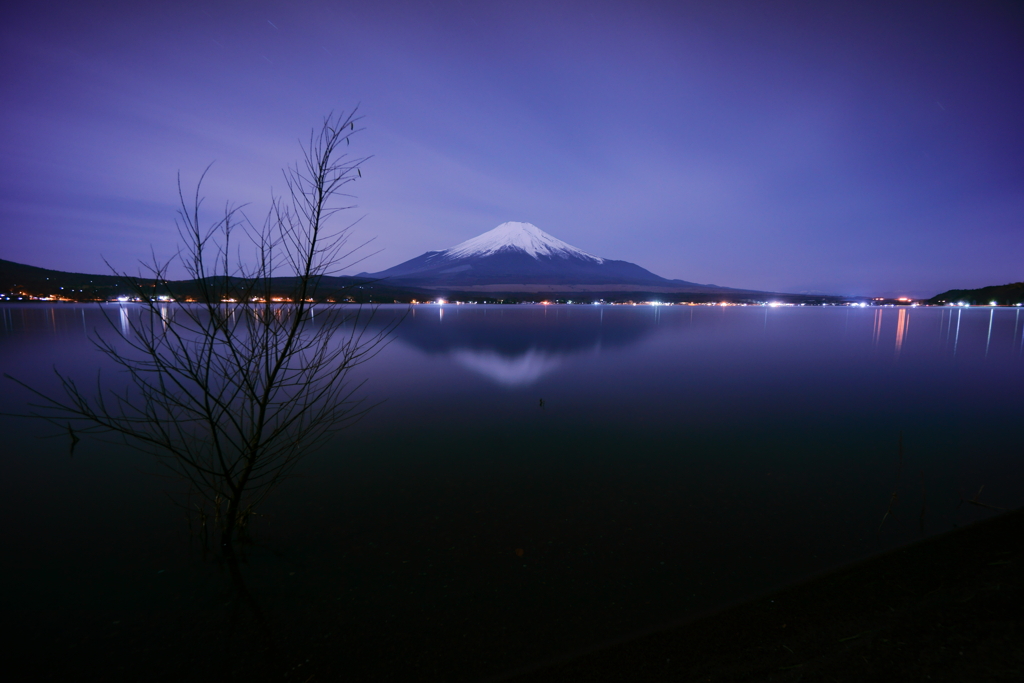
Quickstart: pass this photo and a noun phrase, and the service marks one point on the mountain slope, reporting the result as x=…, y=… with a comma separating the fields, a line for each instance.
x=519, y=253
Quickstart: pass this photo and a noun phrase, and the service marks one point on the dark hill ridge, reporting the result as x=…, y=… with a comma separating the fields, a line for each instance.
x=19, y=273
x=1012, y=293
x=18, y=277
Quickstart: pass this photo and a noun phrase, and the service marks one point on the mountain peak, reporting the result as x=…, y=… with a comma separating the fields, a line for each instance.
x=518, y=254
x=515, y=236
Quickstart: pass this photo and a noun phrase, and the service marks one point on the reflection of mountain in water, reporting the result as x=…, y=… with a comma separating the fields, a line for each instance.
x=514, y=371
x=520, y=347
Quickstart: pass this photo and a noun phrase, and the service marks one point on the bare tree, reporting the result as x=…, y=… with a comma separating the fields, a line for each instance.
x=233, y=381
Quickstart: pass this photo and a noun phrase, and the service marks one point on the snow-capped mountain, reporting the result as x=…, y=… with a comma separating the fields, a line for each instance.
x=517, y=253
x=518, y=236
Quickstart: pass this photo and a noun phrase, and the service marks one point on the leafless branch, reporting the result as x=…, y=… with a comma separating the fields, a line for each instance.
x=231, y=389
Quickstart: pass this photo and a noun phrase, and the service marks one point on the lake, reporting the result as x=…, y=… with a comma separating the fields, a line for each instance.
x=683, y=458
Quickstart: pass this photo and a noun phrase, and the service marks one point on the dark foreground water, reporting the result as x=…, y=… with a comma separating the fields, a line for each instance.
x=684, y=458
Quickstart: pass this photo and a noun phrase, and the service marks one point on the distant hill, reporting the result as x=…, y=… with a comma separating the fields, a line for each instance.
x=1002, y=294
x=19, y=278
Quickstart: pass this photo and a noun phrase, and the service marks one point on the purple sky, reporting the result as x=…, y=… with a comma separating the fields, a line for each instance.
x=877, y=149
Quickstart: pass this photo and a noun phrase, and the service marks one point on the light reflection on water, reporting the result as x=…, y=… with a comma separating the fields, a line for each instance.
x=683, y=457
x=902, y=327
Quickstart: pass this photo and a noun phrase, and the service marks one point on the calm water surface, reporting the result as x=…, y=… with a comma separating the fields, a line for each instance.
x=684, y=458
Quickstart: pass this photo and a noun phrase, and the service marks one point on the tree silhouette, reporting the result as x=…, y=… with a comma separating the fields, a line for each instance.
x=232, y=380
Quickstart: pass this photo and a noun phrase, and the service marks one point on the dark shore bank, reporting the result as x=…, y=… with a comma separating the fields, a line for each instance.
x=948, y=608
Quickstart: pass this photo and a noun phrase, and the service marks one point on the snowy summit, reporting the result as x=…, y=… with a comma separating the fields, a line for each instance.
x=518, y=254
x=524, y=237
